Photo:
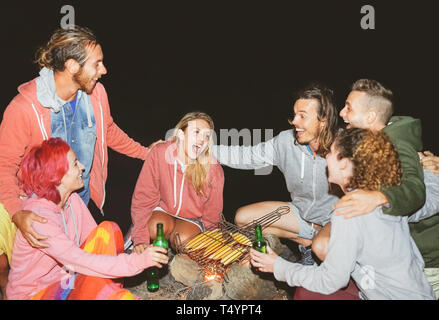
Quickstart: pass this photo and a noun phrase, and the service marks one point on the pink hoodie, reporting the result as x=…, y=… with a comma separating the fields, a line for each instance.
x=161, y=183
x=34, y=269
x=27, y=123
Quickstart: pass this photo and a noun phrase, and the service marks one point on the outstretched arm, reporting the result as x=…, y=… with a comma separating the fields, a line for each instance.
x=115, y=137
x=119, y=141
x=409, y=196
x=333, y=273
x=247, y=157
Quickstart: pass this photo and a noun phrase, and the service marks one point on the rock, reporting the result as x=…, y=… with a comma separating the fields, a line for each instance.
x=185, y=270
x=274, y=243
x=242, y=283
x=209, y=290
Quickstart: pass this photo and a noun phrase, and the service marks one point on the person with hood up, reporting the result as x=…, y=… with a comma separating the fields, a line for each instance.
x=180, y=185
x=66, y=100
x=81, y=258
x=375, y=249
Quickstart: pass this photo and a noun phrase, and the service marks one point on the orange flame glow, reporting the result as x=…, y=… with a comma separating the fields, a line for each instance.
x=212, y=276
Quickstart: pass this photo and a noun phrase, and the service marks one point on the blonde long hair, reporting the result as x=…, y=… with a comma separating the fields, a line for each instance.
x=197, y=172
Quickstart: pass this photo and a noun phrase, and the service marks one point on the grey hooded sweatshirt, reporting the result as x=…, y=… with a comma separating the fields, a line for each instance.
x=376, y=249
x=305, y=175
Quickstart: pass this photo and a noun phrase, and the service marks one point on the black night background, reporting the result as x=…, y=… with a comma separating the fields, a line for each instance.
x=239, y=61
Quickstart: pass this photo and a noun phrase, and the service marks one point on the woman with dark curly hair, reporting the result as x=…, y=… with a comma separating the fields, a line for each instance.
x=376, y=250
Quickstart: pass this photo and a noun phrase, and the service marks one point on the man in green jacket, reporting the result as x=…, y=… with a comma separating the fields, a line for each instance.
x=369, y=106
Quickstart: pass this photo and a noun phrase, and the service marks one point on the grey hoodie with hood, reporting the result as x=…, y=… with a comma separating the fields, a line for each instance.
x=47, y=96
x=305, y=176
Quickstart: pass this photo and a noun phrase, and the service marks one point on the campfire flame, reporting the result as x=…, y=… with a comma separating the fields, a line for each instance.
x=211, y=277
x=211, y=273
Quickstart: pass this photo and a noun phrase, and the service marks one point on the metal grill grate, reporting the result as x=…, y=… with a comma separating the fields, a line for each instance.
x=224, y=243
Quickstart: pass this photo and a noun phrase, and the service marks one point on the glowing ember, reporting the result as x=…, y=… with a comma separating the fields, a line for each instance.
x=212, y=272
x=210, y=277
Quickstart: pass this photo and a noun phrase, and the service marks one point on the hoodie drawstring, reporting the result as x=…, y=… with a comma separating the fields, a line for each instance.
x=175, y=183
x=302, y=170
x=103, y=157
x=40, y=124
x=74, y=223
x=175, y=189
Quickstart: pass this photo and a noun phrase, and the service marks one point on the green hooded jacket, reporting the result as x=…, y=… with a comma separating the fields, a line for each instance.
x=405, y=199
x=406, y=135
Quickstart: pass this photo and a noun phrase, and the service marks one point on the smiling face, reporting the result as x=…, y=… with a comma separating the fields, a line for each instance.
x=72, y=180
x=340, y=171
x=194, y=140
x=354, y=112
x=93, y=69
x=306, y=122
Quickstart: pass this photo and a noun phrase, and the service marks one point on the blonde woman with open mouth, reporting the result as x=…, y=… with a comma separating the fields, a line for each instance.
x=180, y=185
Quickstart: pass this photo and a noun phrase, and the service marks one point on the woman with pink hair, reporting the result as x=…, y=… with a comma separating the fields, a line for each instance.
x=81, y=257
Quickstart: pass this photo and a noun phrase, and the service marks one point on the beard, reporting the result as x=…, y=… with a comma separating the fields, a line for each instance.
x=85, y=83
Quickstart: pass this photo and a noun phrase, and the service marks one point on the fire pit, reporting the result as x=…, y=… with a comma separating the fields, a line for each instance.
x=215, y=265
x=216, y=249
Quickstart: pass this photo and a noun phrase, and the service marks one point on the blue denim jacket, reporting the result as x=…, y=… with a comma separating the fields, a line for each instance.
x=79, y=131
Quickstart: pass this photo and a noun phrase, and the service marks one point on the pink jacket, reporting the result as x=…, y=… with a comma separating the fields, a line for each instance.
x=161, y=183
x=34, y=269
x=27, y=123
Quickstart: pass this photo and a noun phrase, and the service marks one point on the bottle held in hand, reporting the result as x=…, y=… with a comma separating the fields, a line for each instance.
x=259, y=243
x=153, y=272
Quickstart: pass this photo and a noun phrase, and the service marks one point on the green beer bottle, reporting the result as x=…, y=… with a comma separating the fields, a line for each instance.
x=153, y=272
x=259, y=242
